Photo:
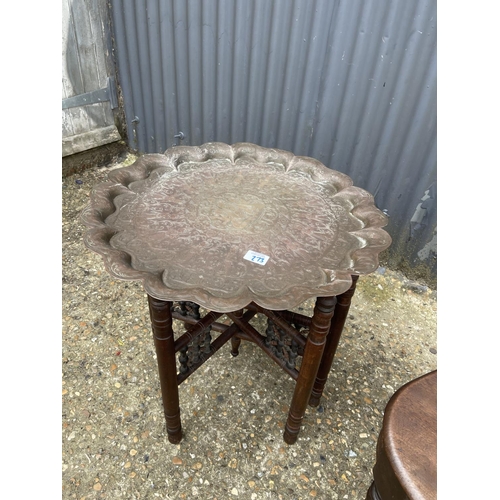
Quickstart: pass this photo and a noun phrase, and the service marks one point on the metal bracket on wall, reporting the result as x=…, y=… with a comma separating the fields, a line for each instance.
x=179, y=136
x=102, y=95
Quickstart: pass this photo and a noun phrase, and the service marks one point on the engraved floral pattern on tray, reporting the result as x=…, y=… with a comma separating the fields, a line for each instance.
x=183, y=221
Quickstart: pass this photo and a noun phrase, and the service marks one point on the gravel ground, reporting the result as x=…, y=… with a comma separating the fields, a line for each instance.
x=233, y=410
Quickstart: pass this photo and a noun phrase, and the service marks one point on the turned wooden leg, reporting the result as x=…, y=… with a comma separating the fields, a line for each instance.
x=320, y=324
x=235, y=340
x=163, y=335
x=332, y=341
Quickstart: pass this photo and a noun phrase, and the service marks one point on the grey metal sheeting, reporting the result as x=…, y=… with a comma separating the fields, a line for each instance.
x=351, y=83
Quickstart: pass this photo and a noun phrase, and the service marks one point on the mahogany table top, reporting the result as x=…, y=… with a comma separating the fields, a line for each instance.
x=409, y=436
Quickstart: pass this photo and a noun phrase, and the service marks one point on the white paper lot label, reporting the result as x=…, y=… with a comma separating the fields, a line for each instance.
x=256, y=257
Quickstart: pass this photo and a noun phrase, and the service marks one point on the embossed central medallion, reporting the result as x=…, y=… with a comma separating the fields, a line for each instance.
x=234, y=212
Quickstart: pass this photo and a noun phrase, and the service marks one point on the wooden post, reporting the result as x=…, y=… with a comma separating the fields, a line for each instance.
x=235, y=340
x=315, y=345
x=332, y=341
x=163, y=335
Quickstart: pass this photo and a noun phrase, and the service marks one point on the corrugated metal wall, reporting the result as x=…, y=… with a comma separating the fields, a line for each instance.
x=351, y=83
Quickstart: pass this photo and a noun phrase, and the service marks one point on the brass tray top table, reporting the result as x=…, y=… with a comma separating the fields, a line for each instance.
x=238, y=230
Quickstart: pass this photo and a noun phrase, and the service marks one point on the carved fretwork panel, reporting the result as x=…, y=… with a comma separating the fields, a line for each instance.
x=283, y=345
x=195, y=352
x=187, y=308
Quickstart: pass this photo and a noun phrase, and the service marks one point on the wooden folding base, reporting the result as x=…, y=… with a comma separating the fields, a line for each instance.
x=195, y=346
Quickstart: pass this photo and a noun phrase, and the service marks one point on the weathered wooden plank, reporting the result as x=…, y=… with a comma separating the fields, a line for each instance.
x=99, y=23
x=87, y=46
x=89, y=140
x=72, y=76
x=97, y=19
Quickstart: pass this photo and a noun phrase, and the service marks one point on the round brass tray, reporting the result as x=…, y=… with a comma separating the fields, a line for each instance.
x=225, y=225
